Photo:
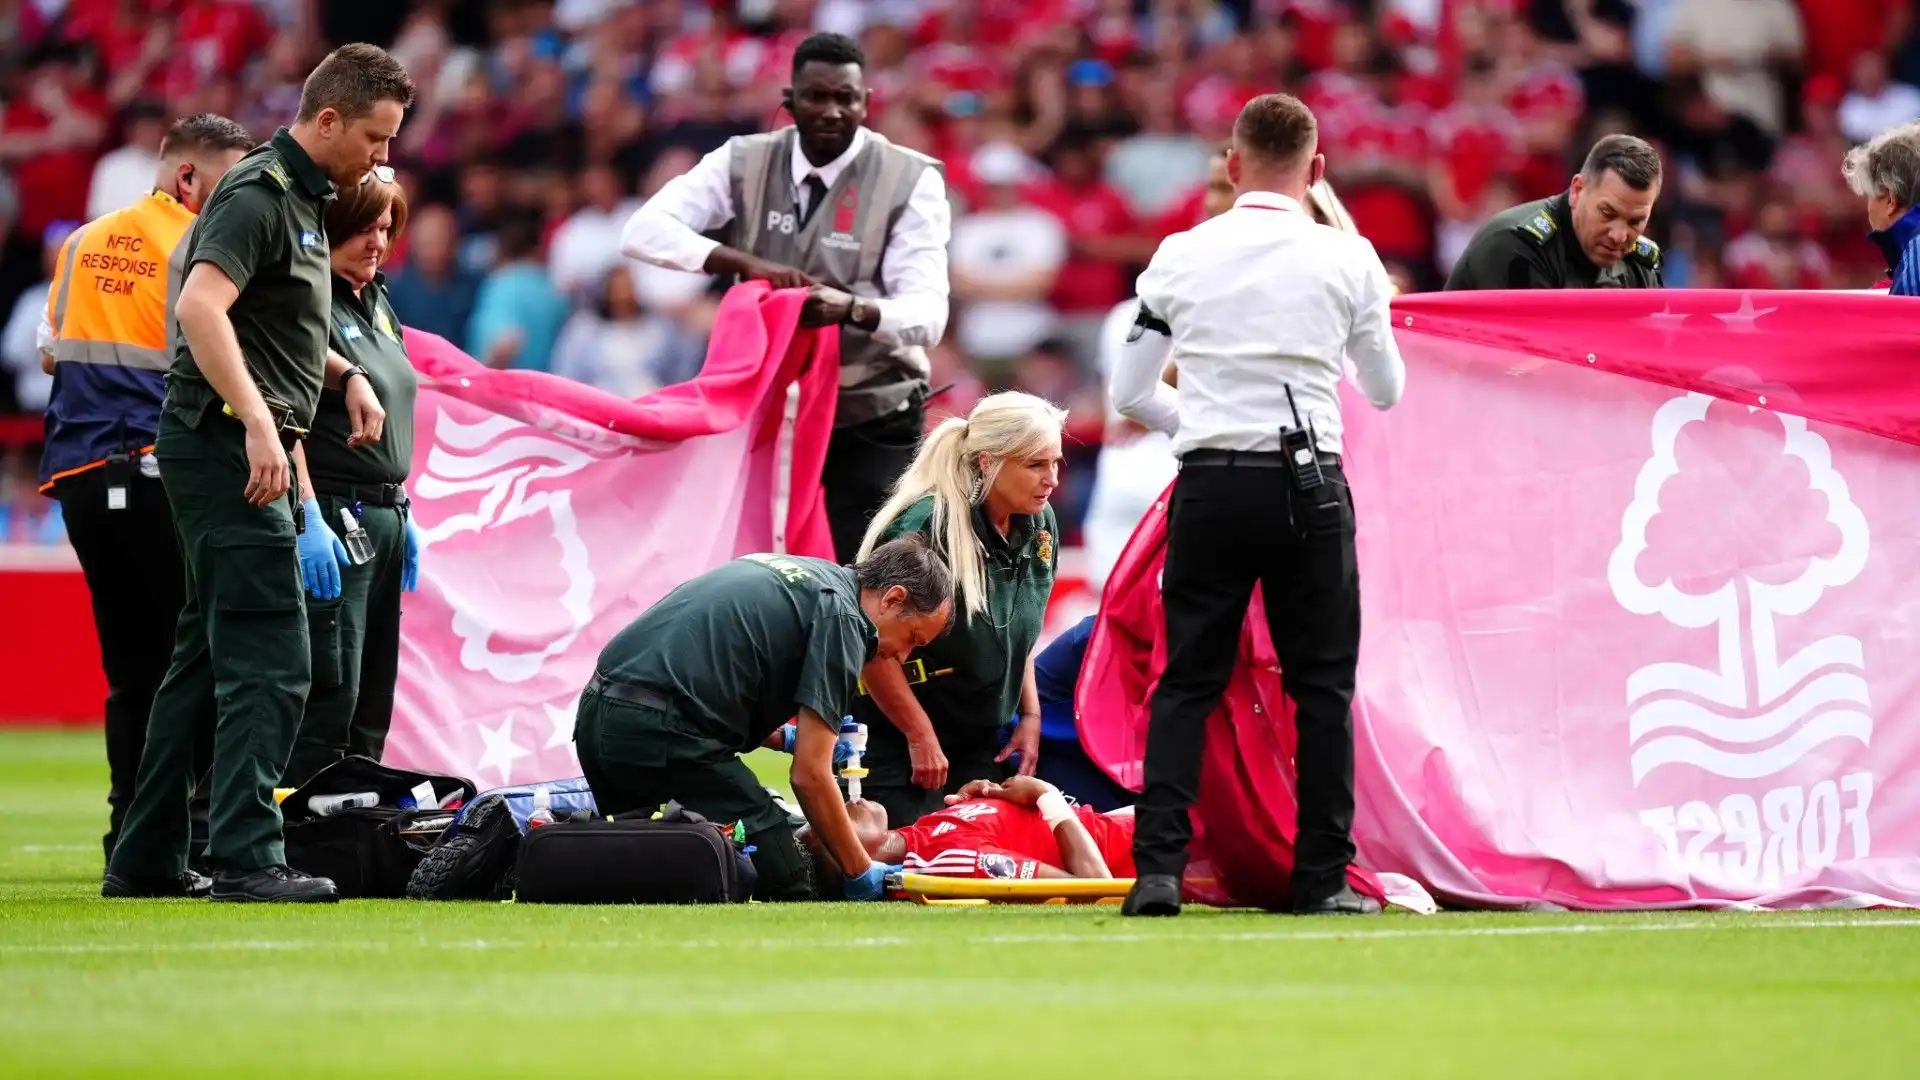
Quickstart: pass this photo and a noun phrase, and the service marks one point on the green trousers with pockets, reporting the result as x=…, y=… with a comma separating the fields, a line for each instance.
x=240, y=663
x=639, y=758
x=356, y=650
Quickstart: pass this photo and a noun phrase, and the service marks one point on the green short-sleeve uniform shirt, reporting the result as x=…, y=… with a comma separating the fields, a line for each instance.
x=741, y=649
x=265, y=227
x=365, y=331
x=974, y=671
x=1533, y=246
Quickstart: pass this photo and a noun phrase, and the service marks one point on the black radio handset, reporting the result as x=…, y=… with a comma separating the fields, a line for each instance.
x=1302, y=450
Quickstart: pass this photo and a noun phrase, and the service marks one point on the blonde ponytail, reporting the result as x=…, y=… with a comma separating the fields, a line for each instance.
x=1328, y=208
x=1002, y=426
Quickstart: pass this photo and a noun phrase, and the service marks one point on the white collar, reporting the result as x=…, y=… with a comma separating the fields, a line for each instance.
x=802, y=168
x=1268, y=200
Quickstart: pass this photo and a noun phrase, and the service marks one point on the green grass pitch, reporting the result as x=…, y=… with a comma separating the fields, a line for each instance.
x=388, y=988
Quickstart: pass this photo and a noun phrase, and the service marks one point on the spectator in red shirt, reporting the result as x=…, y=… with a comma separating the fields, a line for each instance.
x=1477, y=144
x=1377, y=157
x=1840, y=30
x=50, y=135
x=1546, y=97
x=1774, y=254
x=1103, y=242
x=213, y=39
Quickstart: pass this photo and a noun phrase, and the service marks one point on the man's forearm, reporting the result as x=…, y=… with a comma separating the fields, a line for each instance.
x=300, y=470
x=216, y=351
x=819, y=793
x=654, y=236
x=1030, y=689
x=887, y=685
x=1078, y=851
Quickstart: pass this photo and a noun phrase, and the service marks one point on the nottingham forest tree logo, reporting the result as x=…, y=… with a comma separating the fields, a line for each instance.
x=1738, y=525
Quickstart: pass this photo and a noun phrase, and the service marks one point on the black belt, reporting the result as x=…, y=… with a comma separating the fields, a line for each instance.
x=365, y=494
x=1253, y=459
x=629, y=693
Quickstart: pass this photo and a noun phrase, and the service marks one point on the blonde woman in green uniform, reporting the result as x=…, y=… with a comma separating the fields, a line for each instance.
x=353, y=607
x=978, y=490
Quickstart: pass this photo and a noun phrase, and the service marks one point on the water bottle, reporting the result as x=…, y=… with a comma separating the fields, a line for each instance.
x=853, y=771
x=542, y=809
x=359, y=547
x=323, y=805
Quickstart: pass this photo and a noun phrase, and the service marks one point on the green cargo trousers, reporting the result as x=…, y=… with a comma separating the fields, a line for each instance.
x=356, y=650
x=635, y=757
x=240, y=662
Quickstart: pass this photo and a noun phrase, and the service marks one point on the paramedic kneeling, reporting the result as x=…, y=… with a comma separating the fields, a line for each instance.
x=723, y=661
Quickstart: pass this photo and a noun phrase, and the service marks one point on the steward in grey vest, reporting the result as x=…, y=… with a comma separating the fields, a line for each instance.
x=840, y=245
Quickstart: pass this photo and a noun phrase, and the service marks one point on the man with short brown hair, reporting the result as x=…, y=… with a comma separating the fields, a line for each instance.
x=1586, y=237
x=103, y=338
x=1261, y=308
x=249, y=359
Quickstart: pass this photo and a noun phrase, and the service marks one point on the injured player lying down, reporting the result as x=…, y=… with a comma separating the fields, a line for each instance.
x=1022, y=829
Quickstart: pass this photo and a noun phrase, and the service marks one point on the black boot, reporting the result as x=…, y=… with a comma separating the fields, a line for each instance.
x=1344, y=902
x=188, y=886
x=274, y=885
x=1153, y=894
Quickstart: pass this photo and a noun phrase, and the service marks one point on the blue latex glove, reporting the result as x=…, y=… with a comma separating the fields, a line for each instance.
x=870, y=885
x=410, y=565
x=321, y=554
x=842, y=746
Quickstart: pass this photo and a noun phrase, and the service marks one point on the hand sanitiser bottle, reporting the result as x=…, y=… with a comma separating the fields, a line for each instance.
x=359, y=547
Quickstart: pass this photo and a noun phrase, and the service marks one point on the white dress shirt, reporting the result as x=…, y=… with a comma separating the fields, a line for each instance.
x=1259, y=299
x=1134, y=467
x=913, y=269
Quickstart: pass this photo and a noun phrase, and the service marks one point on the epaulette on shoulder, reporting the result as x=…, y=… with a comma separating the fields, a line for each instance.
x=1646, y=251
x=272, y=175
x=1538, y=226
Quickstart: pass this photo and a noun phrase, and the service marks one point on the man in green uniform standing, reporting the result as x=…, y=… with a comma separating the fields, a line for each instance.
x=1587, y=237
x=250, y=357
x=718, y=667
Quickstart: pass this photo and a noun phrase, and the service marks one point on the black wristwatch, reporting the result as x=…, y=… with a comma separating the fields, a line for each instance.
x=356, y=369
x=856, y=310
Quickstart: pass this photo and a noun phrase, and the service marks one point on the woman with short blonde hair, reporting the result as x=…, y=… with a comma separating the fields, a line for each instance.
x=979, y=491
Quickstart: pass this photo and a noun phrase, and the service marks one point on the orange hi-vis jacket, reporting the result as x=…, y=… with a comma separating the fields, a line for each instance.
x=108, y=307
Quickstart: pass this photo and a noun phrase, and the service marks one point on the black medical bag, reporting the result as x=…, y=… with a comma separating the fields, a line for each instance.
x=368, y=851
x=676, y=857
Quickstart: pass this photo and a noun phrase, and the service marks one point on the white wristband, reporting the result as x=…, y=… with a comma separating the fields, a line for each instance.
x=1053, y=808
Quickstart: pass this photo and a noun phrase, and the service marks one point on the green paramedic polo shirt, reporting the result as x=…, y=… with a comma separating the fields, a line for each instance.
x=366, y=332
x=265, y=227
x=741, y=649
x=975, y=670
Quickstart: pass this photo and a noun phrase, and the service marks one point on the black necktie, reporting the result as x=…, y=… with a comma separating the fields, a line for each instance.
x=816, y=194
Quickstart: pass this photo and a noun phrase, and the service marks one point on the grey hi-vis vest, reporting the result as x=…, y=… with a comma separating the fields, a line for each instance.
x=840, y=245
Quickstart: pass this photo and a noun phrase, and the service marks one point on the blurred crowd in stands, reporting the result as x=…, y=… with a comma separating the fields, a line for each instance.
x=1075, y=133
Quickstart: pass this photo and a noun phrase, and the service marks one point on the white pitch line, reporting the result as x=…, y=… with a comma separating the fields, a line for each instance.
x=57, y=847
x=1117, y=938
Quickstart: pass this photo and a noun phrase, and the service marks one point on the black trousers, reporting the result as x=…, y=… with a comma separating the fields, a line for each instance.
x=863, y=461
x=131, y=560
x=1233, y=525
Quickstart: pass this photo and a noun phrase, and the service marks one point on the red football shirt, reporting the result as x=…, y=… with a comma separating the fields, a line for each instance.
x=993, y=838
x=1087, y=284
x=1477, y=144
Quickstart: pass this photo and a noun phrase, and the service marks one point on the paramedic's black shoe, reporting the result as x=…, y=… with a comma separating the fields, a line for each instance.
x=188, y=886
x=1153, y=894
x=274, y=885
x=1344, y=902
